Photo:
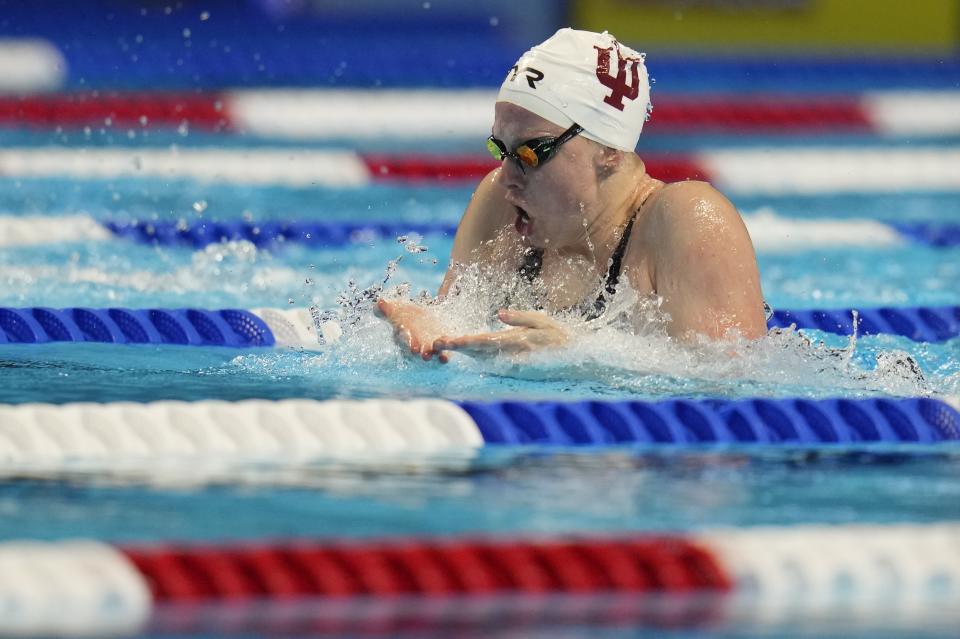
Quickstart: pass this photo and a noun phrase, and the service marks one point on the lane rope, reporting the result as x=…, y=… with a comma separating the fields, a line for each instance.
x=770, y=232
x=316, y=114
x=768, y=170
x=296, y=328
x=124, y=435
x=120, y=589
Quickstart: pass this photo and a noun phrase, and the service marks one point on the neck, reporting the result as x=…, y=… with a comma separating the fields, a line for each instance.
x=622, y=196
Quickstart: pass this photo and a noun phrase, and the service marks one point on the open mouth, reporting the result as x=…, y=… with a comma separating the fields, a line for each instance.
x=523, y=224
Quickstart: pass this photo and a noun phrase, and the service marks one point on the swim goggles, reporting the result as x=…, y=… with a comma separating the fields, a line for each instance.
x=533, y=152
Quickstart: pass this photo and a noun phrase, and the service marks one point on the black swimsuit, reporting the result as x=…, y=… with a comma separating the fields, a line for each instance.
x=533, y=262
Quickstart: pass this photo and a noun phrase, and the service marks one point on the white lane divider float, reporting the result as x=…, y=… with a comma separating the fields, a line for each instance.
x=70, y=588
x=283, y=167
x=29, y=65
x=766, y=170
x=124, y=435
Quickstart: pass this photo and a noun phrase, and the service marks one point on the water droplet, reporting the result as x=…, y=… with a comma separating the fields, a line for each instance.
x=186, y=33
x=204, y=16
x=290, y=301
x=494, y=21
x=200, y=206
x=143, y=120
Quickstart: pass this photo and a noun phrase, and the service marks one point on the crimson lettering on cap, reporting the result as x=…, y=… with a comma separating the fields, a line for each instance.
x=618, y=83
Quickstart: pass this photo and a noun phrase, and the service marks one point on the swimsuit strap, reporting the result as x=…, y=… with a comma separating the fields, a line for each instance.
x=613, y=273
x=533, y=263
x=616, y=260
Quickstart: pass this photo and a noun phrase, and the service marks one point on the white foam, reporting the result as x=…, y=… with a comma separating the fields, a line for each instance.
x=31, y=230
x=29, y=65
x=318, y=114
x=288, y=167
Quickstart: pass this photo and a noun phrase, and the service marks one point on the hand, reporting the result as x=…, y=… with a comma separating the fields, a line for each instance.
x=534, y=330
x=414, y=327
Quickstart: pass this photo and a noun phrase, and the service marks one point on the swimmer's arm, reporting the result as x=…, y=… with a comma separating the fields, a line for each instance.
x=417, y=327
x=487, y=213
x=706, y=270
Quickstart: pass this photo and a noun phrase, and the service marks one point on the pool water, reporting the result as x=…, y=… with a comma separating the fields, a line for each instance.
x=500, y=493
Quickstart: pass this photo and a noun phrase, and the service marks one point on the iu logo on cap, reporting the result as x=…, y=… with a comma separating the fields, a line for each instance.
x=618, y=83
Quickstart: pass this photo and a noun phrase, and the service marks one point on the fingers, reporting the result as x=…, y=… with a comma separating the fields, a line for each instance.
x=512, y=340
x=413, y=342
x=529, y=319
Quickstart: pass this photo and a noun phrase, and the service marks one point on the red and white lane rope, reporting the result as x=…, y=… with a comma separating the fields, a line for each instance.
x=112, y=590
x=334, y=114
x=765, y=170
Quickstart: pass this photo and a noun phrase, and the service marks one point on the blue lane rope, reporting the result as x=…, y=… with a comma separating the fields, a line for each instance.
x=931, y=234
x=716, y=421
x=919, y=323
x=187, y=326
x=169, y=233
x=198, y=235
x=240, y=328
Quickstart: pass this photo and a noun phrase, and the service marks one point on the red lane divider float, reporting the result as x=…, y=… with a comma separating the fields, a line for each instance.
x=203, y=111
x=201, y=573
x=721, y=114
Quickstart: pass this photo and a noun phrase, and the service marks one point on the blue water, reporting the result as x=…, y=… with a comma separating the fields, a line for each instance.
x=495, y=493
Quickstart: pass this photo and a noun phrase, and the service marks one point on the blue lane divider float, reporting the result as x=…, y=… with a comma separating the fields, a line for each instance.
x=240, y=328
x=930, y=234
x=186, y=326
x=334, y=233
x=919, y=323
x=715, y=421
x=170, y=233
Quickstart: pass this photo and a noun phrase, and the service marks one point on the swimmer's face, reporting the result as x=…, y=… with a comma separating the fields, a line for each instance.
x=556, y=196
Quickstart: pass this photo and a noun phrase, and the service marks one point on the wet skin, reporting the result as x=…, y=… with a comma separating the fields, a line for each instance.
x=688, y=245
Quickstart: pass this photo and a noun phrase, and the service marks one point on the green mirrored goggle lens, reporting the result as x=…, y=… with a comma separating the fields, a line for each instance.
x=494, y=149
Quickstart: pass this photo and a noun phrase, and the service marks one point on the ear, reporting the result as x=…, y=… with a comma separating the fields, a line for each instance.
x=608, y=161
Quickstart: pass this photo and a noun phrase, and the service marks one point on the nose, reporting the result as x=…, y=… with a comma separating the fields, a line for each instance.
x=510, y=175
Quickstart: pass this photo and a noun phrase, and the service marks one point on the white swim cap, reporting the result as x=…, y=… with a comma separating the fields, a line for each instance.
x=583, y=77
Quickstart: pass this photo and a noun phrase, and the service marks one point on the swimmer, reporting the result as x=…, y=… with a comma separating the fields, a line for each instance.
x=572, y=207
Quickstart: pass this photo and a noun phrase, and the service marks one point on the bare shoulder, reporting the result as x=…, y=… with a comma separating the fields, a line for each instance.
x=693, y=204
x=700, y=260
